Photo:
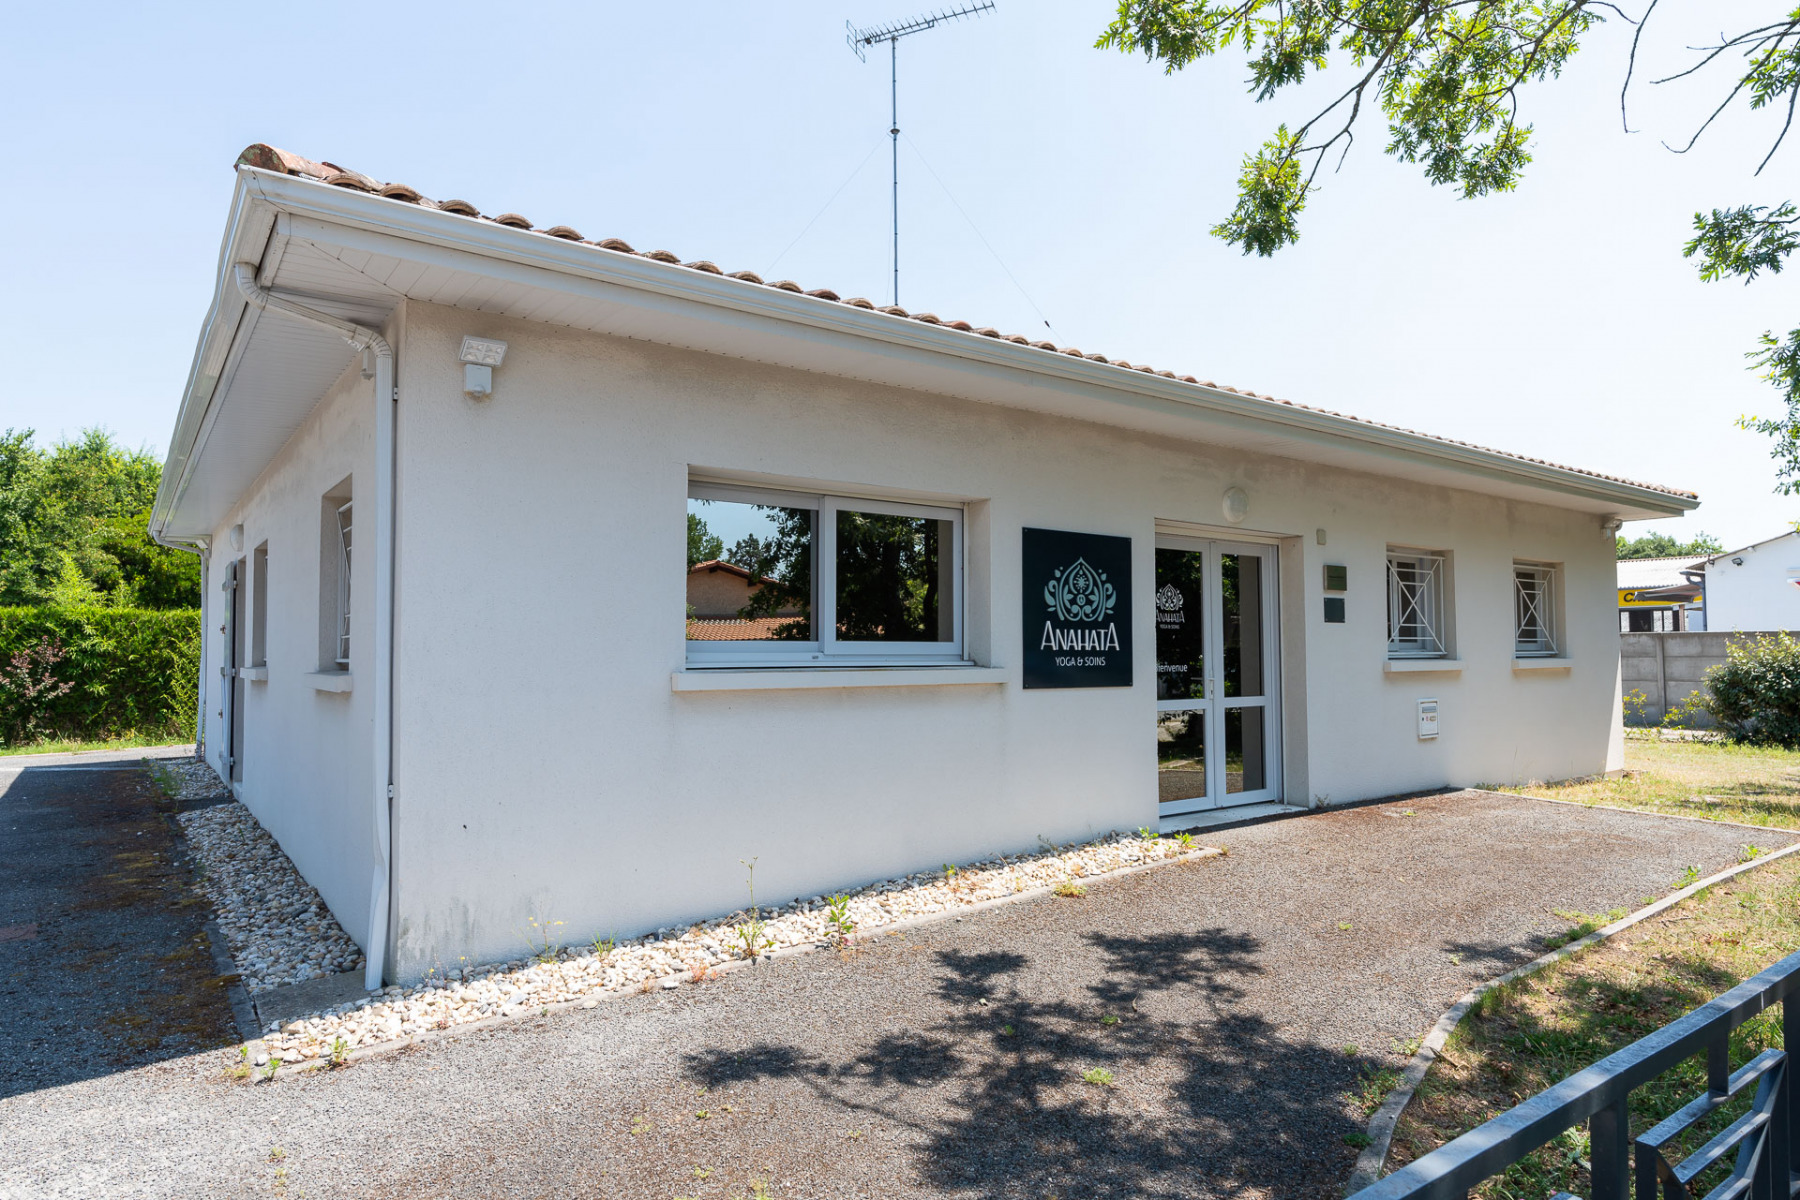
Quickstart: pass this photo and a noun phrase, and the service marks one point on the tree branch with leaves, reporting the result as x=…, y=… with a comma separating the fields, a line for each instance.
x=1449, y=78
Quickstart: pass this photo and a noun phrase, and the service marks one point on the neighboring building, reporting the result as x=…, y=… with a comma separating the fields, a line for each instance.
x=718, y=592
x=1755, y=587
x=1659, y=595
x=1044, y=594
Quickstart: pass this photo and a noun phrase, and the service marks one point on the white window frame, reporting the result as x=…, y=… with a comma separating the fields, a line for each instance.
x=344, y=544
x=826, y=650
x=1427, y=607
x=1542, y=604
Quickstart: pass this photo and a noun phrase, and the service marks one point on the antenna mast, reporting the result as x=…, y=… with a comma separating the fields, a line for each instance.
x=891, y=33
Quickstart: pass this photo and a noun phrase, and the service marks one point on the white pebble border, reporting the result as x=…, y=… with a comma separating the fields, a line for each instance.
x=668, y=958
x=277, y=927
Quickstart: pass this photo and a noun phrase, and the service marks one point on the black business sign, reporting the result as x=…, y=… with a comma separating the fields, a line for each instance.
x=1077, y=604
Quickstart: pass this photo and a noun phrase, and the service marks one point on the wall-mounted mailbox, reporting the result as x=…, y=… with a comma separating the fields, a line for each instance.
x=1337, y=577
x=1428, y=719
x=1334, y=610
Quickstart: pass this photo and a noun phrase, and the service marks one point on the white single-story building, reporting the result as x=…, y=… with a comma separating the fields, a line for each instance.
x=1753, y=588
x=438, y=466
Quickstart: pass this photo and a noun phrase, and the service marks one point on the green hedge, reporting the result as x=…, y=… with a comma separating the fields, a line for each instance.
x=97, y=673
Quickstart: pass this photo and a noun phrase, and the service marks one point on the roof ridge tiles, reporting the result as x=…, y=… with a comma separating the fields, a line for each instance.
x=264, y=157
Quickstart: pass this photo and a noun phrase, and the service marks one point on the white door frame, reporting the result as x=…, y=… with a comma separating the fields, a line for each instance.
x=1214, y=704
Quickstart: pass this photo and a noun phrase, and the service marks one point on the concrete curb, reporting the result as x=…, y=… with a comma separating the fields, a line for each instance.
x=595, y=999
x=1386, y=1118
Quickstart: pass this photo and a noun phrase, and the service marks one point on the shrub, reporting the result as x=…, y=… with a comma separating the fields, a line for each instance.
x=97, y=672
x=1755, y=693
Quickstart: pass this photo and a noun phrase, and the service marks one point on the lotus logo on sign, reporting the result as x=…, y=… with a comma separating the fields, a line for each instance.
x=1077, y=599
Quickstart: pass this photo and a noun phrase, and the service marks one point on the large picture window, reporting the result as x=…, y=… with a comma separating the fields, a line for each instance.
x=777, y=578
x=1415, y=587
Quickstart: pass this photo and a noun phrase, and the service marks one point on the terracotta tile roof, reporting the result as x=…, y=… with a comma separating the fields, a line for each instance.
x=269, y=158
x=741, y=629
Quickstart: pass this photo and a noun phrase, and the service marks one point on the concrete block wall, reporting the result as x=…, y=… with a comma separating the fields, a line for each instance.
x=1669, y=667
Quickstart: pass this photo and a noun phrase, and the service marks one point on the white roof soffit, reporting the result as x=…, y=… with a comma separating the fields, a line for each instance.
x=324, y=244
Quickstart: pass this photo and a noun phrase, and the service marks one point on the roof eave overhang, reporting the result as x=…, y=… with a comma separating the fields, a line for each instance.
x=360, y=221
x=228, y=323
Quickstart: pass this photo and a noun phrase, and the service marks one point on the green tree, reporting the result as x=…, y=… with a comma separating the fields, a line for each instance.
x=1450, y=77
x=83, y=506
x=1661, y=545
x=703, y=544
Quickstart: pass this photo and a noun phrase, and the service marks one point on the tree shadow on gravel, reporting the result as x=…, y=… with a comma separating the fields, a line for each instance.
x=1015, y=1095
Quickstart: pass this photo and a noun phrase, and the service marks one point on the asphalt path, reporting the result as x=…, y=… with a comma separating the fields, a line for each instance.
x=1201, y=1029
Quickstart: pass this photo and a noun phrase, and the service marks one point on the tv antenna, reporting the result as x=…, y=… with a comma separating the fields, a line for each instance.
x=891, y=33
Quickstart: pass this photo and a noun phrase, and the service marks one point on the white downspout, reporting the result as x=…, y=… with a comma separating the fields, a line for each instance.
x=381, y=792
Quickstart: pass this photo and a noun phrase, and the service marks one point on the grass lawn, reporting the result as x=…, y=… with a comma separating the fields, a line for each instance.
x=1552, y=1024
x=1753, y=785
x=77, y=746
x=1568, y=1016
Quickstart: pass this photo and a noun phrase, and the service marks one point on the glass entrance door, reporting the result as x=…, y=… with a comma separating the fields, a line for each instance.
x=1216, y=712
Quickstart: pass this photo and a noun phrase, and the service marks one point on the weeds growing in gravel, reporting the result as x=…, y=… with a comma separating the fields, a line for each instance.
x=1356, y=1141
x=604, y=946
x=541, y=940
x=1185, y=840
x=340, y=1053
x=1373, y=1087
x=1688, y=878
x=1144, y=832
x=1751, y=852
x=1070, y=890
x=1581, y=924
x=752, y=935
x=274, y=1066
x=1098, y=1076
x=839, y=926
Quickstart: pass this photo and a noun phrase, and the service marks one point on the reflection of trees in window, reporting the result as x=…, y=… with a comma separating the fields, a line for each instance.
x=887, y=578
x=783, y=561
x=1180, y=634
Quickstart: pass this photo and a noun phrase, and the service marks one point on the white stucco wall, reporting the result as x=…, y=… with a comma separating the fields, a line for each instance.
x=306, y=753
x=546, y=770
x=1760, y=594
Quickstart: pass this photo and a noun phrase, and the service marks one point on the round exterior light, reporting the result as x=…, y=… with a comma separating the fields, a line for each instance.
x=1236, y=505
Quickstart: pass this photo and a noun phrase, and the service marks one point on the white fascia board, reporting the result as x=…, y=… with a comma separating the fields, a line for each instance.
x=1094, y=391
x=223, y=334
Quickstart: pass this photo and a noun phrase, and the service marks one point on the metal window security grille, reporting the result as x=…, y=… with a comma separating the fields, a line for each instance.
x=343, y=585
x=1533, y=628
x=1753, y=1152
x=1415, y=605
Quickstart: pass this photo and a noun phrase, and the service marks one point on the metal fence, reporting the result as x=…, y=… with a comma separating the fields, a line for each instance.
x=1761, y=1140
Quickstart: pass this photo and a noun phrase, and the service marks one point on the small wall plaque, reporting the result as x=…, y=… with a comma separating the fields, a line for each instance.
x=1334, y=610
x=1337, y=577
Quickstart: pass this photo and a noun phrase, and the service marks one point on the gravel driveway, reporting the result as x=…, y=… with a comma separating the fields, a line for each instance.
x=945, y=1061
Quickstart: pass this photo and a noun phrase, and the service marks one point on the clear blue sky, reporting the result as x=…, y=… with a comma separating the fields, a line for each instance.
x=1559, y=321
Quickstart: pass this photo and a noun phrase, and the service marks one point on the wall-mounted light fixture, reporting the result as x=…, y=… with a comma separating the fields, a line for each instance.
x=479, y=358
x=1737, y=562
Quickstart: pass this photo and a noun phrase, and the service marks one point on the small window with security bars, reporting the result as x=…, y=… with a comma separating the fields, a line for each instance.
x=1415, y=593
x=1534, y=610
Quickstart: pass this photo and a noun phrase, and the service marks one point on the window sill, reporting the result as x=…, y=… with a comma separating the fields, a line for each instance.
x=808, y=678
x=1422, y=666
x=1549, y=662
x=329, y=681
x=254, y=674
